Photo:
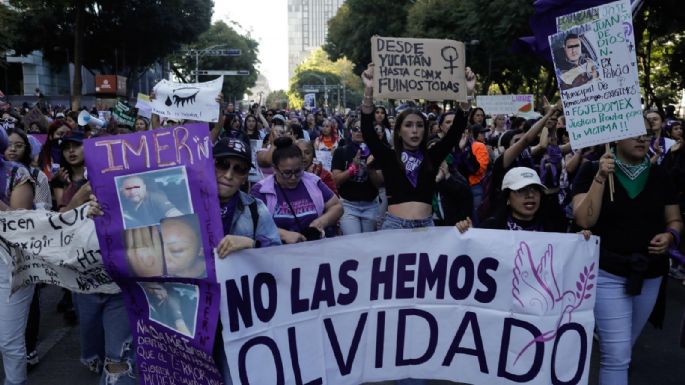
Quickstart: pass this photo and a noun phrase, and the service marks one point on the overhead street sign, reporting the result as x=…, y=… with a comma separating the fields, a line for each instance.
x=225, y=73
x=222, y=52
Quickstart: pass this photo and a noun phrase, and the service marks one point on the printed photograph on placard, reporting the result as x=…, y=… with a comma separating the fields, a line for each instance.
x=183, y=254
x=148, y=197
x=173, y=305
x=576, y=58
x=144, y=251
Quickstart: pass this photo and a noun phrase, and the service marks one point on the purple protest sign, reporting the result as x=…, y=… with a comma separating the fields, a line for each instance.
x=160, y=225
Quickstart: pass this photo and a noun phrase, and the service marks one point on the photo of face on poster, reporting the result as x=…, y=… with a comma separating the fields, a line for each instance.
x=575, y=58
x=183, y=254
x=173, y=305
x=147, y=197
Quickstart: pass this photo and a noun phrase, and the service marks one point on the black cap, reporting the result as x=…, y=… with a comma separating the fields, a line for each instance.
x=477, y=129
x=234, y=148
x=74, y=137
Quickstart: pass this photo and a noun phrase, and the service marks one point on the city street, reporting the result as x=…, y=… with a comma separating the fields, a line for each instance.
x=656, y=358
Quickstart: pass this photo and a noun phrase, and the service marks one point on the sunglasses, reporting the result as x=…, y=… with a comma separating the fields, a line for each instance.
x=224, y=164
x=287, y=174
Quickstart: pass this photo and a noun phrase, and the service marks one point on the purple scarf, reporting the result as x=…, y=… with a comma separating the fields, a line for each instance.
x=412, y=163
x=228, y=211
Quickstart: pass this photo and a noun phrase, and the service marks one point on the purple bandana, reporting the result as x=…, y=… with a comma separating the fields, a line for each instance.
x=227, y=211
x=412, y=163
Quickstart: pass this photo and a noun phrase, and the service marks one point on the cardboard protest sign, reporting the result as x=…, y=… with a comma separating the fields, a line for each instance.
x=35, y=116
x=407, y=68
x=191, y=101
x=143, y=106
x=427, y=303
x=505, y=104
x=596, y=71
x=158, y=232
x=55, y=248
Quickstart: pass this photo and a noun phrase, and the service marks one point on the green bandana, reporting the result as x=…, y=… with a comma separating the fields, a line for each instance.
x=633, y=178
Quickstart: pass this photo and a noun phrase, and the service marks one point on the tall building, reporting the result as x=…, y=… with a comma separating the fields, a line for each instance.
x=307, y=27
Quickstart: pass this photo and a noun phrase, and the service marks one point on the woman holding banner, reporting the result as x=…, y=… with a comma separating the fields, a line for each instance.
x=247, y=222
x=409, y=170
x=16, y=193
x=639, y=227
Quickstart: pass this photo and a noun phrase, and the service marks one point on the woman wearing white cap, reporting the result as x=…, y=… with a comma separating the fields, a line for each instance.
x=520, y=204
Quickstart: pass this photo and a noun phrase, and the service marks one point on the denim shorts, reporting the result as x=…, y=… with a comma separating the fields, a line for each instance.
x=393, y=222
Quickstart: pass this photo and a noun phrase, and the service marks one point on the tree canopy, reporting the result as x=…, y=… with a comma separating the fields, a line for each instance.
x=318, y=66
x=221, y=36
x=489, y=29
x=118, y=35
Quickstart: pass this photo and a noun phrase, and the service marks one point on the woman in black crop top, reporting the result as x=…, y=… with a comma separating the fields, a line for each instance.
x=409, y=170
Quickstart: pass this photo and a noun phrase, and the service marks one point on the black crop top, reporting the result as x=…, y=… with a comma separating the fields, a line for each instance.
x=397, y=186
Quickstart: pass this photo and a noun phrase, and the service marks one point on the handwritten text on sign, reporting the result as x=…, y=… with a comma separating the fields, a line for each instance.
x=596, y=70
x=55, y=248
x=406, y=68
x=428, y=303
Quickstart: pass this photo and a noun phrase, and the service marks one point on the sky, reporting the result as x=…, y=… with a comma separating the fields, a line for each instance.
x=267, y=22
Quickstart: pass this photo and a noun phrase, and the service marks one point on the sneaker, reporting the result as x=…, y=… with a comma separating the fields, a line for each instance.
x=32, y=358
x=676, y=273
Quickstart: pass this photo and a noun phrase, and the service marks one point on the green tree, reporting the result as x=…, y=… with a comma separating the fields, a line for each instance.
x=488, y=29
x=318, y=63
x=114, y=36
x=222, y=36
x=350, y=30
x=6, y=17
x=277, y=100
x=660, y=50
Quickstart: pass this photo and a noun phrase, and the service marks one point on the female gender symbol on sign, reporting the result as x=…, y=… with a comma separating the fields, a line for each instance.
x=450, y=55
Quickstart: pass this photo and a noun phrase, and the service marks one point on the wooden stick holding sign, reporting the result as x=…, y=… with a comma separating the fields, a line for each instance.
x=607, y=148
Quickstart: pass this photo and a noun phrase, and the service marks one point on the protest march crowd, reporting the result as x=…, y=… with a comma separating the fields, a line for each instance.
x=318, y=174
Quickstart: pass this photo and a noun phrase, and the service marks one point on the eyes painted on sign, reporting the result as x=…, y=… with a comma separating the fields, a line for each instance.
x=182, y=96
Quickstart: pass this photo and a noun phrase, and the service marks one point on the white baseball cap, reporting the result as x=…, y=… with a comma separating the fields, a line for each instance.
x=520, y=177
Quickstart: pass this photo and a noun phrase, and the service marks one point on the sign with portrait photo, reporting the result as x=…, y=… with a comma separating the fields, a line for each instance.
x=160, y=226
x=408, y=68
x=596, y=69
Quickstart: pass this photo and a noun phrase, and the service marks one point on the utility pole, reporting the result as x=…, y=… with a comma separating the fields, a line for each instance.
x=211, y=51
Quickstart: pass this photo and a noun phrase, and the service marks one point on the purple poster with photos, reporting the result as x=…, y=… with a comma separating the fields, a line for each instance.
x=160, y=225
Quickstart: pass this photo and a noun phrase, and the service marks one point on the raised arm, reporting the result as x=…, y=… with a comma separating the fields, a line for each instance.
x=378, y=149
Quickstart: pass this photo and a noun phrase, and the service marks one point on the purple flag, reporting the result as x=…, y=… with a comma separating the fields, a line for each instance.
x=543, y=23
x=157, y=235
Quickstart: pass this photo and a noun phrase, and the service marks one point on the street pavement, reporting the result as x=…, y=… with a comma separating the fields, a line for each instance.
x=657, y=357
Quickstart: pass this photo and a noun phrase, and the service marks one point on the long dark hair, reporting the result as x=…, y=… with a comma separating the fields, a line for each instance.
x=472, y=114
x=397, y=139
x=385, y=122
x=26, y=156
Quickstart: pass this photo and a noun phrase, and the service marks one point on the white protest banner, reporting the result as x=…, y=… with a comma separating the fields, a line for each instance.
x=428, y=303
x=309, y=101
x=255, y=172
x=325, y=157
x=505, y=104
x=407, y=68
x=192, y=101
x=56, y=248
x=143, y=106
x=596, y=70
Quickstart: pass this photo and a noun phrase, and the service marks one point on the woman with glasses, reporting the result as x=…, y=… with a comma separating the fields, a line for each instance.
x=639, y=227
x=300, y=203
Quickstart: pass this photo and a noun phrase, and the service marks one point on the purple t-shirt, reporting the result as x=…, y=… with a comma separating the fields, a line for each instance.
x=300, y=200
